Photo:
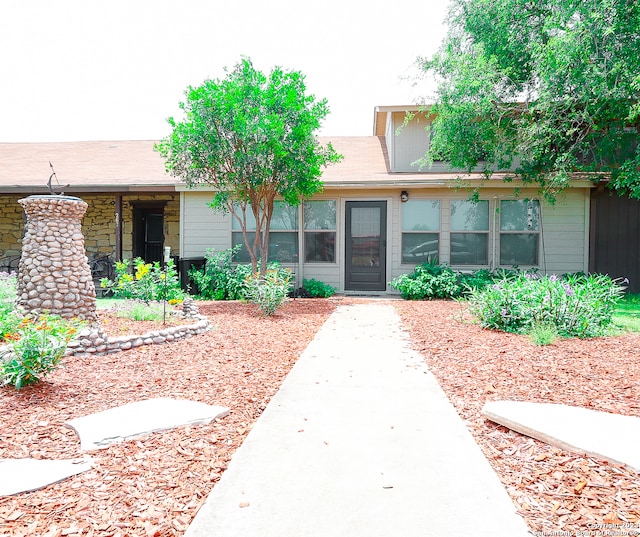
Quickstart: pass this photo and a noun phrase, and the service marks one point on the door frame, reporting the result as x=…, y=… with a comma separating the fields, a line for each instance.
x=381, y=286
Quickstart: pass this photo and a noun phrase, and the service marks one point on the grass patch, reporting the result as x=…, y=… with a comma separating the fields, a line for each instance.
x=626, y=317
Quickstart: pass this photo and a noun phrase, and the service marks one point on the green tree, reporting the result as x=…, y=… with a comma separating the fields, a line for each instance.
x=251, y=137
x=548, y=89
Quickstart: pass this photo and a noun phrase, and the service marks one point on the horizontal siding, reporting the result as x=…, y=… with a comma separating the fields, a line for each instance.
x=202, y=227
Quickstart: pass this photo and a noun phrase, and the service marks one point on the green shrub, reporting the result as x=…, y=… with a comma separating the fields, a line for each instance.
x=427, y=281
x=220, y=279
x=316, y=289
x=35, y=349
x=9, y=319
x=270, y=290
x=543, y=334
x=145, y=281
x=575, y=305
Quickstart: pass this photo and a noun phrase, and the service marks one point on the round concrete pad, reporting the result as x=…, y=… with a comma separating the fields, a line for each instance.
x=100, y=430
x=25, y=475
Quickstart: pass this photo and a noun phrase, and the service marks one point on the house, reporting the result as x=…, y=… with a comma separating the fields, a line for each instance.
x=378, y=216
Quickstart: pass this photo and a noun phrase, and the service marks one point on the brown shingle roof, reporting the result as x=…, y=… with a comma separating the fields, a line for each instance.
x=134, y=165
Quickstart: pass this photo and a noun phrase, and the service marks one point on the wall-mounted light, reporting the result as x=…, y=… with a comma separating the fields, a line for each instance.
x=404, y=196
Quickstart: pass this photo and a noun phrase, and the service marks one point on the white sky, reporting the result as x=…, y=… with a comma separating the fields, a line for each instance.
x=112, y=70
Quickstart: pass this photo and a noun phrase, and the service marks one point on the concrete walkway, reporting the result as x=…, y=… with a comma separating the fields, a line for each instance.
x=360, y=441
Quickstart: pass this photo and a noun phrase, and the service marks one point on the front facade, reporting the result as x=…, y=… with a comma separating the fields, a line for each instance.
x=378, y=217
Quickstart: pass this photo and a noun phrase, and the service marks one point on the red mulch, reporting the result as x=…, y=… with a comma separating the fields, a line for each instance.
x=553, y=489
x=153, y=486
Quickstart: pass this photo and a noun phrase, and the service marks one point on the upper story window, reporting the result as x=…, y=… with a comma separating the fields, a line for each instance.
x=519, y=232
x=469, y=232
x=283, y=236
x=320, y=231
x=420, y=231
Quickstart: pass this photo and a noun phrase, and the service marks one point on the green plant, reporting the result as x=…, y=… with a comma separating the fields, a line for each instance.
x=317, y=289
x=9, y=319
x=147, y=281
x=36, y=348
x=270, y=290
x=139, y=310
x=575, y=305
x=543, y=334
x=220, y=279
x=427, y=281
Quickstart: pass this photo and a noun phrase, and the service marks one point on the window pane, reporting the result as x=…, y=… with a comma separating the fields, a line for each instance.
x=283, y=247
x=469, y=216
x=520, y=215
x=519, y=249
x=320, y=247
x=419, y=247
x=320, y=214
x=421, y=215
x=469, y=249
x=284, y=217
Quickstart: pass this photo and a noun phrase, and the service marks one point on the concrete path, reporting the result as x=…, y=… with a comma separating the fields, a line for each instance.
x=613, y=437
x=360, y=441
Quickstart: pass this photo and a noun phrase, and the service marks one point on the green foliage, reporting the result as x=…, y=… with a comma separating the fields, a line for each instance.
x=575, y=305
x=427, y=281
x=251, y=137
x=35, y=349
x=316, y=289
x=139, y=310
x=220, y=279
x=269, y=291
x=9, y=319
x=147, y=281
x=543, y=334
x=545, y=88
x=627, y=313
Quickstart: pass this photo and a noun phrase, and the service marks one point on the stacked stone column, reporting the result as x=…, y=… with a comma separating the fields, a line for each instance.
x=54, y=275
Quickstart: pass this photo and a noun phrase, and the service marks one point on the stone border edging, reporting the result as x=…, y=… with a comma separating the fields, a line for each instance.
x=95, y=341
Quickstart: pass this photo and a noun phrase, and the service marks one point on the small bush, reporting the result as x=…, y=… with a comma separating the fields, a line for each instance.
x=35, y=349
x=316, y=289
x=543, y=334
x=427, y=281
x=145, y=281
x=220, y=279
x=9, y=319
x=270, y=290
x=575, y=305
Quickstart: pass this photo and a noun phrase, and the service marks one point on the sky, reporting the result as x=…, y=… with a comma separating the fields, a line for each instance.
x=73, y=70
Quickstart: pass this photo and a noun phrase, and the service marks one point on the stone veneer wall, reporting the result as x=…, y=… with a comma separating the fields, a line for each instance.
x=11, y=225
x=98, y=224
x=54, y=275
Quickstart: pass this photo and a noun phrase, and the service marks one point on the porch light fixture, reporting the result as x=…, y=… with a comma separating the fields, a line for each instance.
x=404, y=196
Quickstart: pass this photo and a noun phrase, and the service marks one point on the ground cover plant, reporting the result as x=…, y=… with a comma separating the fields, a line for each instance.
x=573, y=305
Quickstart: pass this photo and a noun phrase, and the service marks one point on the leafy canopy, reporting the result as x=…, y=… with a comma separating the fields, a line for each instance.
x=250, y=137
x=548, y=89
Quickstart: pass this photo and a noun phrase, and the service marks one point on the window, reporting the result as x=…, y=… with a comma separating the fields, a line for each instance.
x=420, y=231
x=283, y=236
x=320, y=231
x=469, y=232
x=519, y=232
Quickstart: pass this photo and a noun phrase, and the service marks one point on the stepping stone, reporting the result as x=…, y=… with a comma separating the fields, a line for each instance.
x=100, y=430
x=599, y=434
x=26, y=475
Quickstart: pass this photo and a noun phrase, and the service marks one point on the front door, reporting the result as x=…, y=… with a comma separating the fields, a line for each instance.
x=148, y=233
x=366, y=245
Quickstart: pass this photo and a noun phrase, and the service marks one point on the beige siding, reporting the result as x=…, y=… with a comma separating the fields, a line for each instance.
x=202, y=227
x=408, y=144
x=563, y=235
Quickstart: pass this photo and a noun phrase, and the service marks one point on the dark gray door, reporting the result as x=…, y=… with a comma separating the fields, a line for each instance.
x=366, y=245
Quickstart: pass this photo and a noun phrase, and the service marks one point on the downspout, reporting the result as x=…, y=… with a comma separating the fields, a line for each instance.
x=118, y=229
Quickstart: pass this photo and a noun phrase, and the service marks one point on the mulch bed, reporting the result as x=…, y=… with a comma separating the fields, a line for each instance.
x=153, y=486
